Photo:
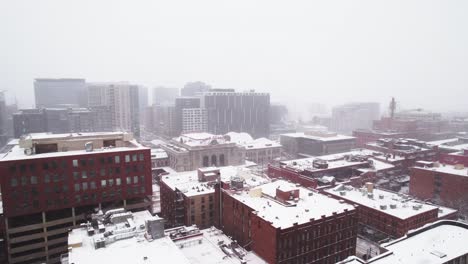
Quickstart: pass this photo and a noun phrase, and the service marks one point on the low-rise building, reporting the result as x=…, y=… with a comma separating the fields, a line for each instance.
x=390, y=213
x=192, y=151
x=260, y=151
x=445, y=184
x=315, y=143
x=159, y=158
x=285, y=223
x=438, y=243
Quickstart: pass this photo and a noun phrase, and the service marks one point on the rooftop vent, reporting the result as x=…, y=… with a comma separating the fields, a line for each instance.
x=393, y=206
x=381, y=196
x=383, y=207
x=342, y=193
x=89, y=146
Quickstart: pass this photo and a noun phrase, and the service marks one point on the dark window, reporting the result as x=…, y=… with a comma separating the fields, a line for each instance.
x=213, y=160
x=206, y=161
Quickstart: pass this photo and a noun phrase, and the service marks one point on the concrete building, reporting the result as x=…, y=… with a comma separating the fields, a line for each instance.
x=349, y=117
x=197, y=89
x=60, y=93
x=192, y=151
x=3, y=120
x=124, y=238
x=239, y=112
x=438, y=243
x=53, y=182
x=260, y=151
x=164, y=95
x=315, y=143
x=182, y=103
x=194, y=120
x=61, y=120
x=159, y=158
x=284, y=223
x=390, y=213
x=123, y=102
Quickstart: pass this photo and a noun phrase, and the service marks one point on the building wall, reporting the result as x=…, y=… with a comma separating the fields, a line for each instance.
x=263, y=155
x=291, y=175
x=238, y=112
x=387, y=223
x=449, y=189
x=303, y=145
x=71, y=92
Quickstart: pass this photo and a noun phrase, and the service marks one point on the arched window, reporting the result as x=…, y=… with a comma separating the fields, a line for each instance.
x=214, y=162
x=221, y=160
x=206, y=161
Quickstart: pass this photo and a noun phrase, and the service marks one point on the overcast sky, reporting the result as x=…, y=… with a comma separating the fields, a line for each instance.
x=299, y=51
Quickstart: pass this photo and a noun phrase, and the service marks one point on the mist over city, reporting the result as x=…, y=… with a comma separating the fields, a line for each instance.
x=224, y=132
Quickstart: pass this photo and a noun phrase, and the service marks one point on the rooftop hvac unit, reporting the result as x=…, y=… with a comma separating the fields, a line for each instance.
x=342, y=193
x=89, y=146
x=381, y=196
x=393, y=206
x=383, y=207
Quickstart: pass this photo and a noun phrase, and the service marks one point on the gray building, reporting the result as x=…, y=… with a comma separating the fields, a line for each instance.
x=3, y=119
x=315, y=143
x=60, y=93
x=61, y=120
x=182, y=103
x=349, y=117
x=194, y=120
x=238, y=112
x=123, y=101
x=164, y=95
x=195, y=89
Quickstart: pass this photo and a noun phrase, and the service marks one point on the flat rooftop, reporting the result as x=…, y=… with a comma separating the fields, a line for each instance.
x=317, y=137
x=397, y=205
x=158, y=153
x=131, y=250
x=187, y=182
x=206, y=250
x=435, y=243
x=201, y=139
x=68, y=144
x=310, y=205
x=449, y=169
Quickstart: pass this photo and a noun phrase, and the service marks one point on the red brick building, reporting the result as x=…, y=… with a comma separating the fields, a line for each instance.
x=284, y=223
x=444, y=184
x=53, y=182
x=390, y=213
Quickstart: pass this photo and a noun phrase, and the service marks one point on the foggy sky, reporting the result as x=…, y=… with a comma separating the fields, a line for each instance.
x=300, y=51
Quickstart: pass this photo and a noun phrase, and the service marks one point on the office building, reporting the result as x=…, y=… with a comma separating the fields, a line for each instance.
x=315, y=143
x=53, y=182
x=3, y=120
x=194, y=120
x=192, y=89
x=349, y=117
x=123, y=102
x=181, y=104
x=238, y=112
x=164, y=95
x=60, y=93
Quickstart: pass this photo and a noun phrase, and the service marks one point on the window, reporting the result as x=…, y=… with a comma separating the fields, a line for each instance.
x=83, y=163
x=134, y=157
x=76, y=175
x=103, y=172
x=24, y=180
x=103, y=183
x=33, y=179
x=77, y=187
x=111, y=182
x=129, y=180
x=75, y=163
x=135, y=179
x=85, y=186
x=91, y=162
x=84, y=175
x=117, y=159
x=13, y=182
x=127, y=158
x=142, y=157
x=92, y=185
x=118, y=181
x=92, y=174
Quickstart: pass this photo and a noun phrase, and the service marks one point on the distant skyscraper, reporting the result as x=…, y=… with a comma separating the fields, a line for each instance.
x=238, y=112
x=164, y=95
x=60, y=92
x=195, y=89
x=194, y=120
x=349, y=117
x=143, y=97
x=123, y=101
x=3, y=119
x=182, y=103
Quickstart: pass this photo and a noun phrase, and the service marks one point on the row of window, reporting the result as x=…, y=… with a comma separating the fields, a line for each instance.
x=84, y=186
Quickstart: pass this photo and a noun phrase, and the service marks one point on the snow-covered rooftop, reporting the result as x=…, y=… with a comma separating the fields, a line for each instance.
x=310, y=205
x=245, y=140
x=435, y=243
x=158, y=153
x=201, y=139
x=188, y=183
x=131, y=250
x=16, y=152
x=449, y=169
x=317, y=137
x=390, y=203
x=206, y=249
